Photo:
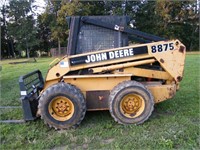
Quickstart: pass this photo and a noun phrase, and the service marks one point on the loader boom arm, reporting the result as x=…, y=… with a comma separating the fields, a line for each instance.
x=169, y=54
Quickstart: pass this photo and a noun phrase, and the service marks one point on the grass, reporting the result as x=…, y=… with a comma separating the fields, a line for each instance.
x=174, y=124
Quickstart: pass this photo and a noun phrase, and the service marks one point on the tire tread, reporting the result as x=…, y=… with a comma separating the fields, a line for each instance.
x=60, y=88
x=121, y=86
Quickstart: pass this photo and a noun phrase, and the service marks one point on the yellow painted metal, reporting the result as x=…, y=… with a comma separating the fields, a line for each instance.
x=96, y=82
x=148, y=73
x=172, y=61
x=162, y=92
x=54, y=61
x=61, y=108
x=56, y=72
x=124, y=65
x=132, y=105
x=90, y=82
x=97, y=76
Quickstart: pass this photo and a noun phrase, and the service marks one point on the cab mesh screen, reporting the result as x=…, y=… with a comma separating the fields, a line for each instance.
x=93, y=38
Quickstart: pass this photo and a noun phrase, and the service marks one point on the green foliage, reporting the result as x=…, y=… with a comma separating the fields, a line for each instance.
x=46, y=22
x=58, y=30
x=170, y=19
x=21, y=26
x=6, y=50
x=174, y=123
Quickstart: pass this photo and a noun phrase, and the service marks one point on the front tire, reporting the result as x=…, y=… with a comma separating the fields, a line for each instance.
x=130, y=102
x=62, y=106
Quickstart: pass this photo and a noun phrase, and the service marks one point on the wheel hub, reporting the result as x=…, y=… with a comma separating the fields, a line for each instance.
x=61, y=108
x=131, y=104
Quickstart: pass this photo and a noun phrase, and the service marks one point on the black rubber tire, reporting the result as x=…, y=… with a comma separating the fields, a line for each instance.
x=72, y=93
x=123, y=89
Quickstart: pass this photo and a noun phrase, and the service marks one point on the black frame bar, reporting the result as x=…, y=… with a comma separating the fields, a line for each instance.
x=127, y=30
x=28, y=98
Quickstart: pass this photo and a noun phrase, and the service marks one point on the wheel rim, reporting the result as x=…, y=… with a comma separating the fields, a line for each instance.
x=61, y=108
x=132, y=105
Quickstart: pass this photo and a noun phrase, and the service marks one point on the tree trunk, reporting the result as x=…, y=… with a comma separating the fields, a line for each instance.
x=59, y=50
x=28, y=56
x=8, y=51
x=12, y=49
x=191, y=41
x=27, y=50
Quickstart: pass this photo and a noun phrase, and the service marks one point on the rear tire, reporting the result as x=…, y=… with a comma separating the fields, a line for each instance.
x=62, y=106
x=130, y=102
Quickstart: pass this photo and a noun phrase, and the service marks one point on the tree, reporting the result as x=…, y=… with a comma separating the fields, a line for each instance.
x=6, y=49
x=181, y=18
x=170, y=19
x=49, y=22
x=45, y=22
x=21, y=26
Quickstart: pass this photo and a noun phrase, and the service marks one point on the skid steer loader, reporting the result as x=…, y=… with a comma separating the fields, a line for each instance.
x=101, y=71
